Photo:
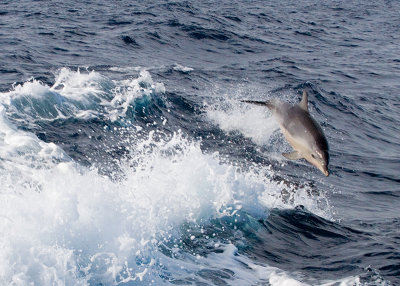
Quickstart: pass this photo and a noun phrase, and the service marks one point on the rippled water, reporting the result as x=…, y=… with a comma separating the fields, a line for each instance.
x=126, y=156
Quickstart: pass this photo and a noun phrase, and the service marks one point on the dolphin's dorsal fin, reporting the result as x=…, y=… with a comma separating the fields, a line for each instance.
x=304, y=101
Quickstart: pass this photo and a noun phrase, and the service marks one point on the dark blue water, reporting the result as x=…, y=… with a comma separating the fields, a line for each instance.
x=126, y=156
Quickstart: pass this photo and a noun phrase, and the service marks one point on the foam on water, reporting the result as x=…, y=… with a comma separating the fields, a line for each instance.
x=64, y=224
x=255, y=122
x=228, y=263
x=81, y=86
x=82, y=94
x=181, y=68
x=127, y=91
x=230, y=267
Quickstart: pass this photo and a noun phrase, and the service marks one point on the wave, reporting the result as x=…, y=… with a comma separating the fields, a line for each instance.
x=77, y=226
x=167, y=208
x=78, y=94
x=65, y=223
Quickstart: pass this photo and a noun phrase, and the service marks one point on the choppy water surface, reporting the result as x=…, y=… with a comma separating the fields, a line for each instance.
x=126, y=156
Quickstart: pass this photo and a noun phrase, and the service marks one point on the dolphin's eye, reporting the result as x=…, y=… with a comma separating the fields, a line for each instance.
x=312, y=155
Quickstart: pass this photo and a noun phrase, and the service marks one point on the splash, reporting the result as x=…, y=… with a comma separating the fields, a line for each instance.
x=127, y=91
x=255, y=123
x=78, y=94
x=62, y=223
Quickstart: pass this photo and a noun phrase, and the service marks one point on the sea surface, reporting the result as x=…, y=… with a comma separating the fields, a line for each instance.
x=127, y=158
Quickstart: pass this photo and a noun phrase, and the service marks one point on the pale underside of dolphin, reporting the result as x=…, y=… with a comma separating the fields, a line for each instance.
x=302, y=132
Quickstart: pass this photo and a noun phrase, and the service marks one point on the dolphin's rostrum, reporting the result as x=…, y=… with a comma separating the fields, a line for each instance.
x=303, y=133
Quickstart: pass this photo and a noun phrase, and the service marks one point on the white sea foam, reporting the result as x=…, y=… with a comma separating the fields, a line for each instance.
x=126, y=69
x=63, y=224
x=230, y=264
x=127, y=91
x=178, y=67
x=82, y=93
x=255, y=122
x=32, y=87
x=80, y=86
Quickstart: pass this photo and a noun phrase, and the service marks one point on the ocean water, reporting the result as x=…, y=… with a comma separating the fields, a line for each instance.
x=127, y=158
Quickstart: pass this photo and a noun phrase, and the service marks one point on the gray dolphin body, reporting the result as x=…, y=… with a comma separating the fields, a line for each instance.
x=303, y=133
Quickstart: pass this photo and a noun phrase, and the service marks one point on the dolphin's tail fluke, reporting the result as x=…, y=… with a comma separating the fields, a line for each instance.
x=267, y=103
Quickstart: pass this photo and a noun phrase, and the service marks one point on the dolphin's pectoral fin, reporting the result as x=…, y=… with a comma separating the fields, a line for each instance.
x=292, y=155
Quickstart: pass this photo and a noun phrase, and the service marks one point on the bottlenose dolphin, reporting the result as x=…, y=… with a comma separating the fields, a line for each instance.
x=303, y=133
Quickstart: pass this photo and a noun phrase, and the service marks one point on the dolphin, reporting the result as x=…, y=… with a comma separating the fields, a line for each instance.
x=302, y=132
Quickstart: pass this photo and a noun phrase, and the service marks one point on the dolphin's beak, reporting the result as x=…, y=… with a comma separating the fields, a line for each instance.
x=322, y=166
x=325, y=171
